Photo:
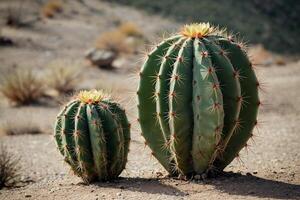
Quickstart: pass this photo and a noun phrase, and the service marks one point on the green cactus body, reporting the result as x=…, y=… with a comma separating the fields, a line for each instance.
x=248, y=114
x=93, y=134
x=151, y=129
x=190, y=100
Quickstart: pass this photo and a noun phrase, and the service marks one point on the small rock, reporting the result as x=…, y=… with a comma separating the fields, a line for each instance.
x=197, y=177
x=204, y=176
x=5, y=41
x=159, y=174
x=248, y=174
x=27, y=196
x=101, y=58
x=292, y=174
x=254, y=172
x=119, y=194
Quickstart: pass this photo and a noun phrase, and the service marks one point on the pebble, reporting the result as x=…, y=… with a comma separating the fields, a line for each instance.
x=27, y=196
x=159, y=174
x=197, y=177
x=251, y=192
x=204, y=176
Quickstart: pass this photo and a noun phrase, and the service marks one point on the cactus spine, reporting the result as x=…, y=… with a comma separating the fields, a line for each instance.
x=93, y=135
x=194, y=117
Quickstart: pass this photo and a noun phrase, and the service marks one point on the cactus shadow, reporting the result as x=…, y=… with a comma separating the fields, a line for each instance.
x=249, y=185
x=146, y=185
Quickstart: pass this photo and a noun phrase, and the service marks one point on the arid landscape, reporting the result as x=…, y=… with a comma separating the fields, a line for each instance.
x=53, y=44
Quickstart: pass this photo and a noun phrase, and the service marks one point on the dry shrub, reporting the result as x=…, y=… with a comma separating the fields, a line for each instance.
x=130, y=29
x=114, y=41
x=9, y=168
x=63, y=76
x=21, y=86
x=19, y=128
x=51, y=8
x=280, y=61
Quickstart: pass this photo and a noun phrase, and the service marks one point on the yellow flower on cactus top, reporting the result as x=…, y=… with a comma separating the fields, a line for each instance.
x=92, y=96
x=199, y=30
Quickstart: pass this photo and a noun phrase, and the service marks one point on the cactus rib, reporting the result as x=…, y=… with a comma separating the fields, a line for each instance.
x=147, y=106
x=249, y=111
x=163, y=88
x=207, y=106
x=230, y=87
x=181, y=109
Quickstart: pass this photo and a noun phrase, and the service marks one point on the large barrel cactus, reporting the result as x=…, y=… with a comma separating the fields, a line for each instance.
x=197, y=100
x=93, y=134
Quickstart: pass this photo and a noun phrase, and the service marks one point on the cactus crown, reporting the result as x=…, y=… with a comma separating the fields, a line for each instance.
x=199, y=30
x=93, y=96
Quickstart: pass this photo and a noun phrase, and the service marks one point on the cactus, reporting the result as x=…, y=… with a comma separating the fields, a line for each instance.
x=197, y=100
x=93, y=134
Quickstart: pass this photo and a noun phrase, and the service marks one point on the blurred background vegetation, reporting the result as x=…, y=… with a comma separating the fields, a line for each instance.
x=274, y=23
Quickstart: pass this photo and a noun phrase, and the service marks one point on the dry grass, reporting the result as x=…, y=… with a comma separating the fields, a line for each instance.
x=51, y=8
x=19, y=127
x=114, y=41
x=130, y=29
x=21, y=86
x=9, y=168
x=63, y=76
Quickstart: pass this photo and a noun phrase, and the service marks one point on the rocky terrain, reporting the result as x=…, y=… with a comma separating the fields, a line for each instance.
x=268, y=169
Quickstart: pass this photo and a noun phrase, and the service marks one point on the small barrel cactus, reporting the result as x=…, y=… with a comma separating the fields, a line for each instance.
x=93, y=135
x=197, y=100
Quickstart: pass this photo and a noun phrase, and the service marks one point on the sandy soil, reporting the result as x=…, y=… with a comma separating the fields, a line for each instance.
x=269, y=169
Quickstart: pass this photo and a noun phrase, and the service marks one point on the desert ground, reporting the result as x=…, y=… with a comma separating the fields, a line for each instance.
x=268, y=169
